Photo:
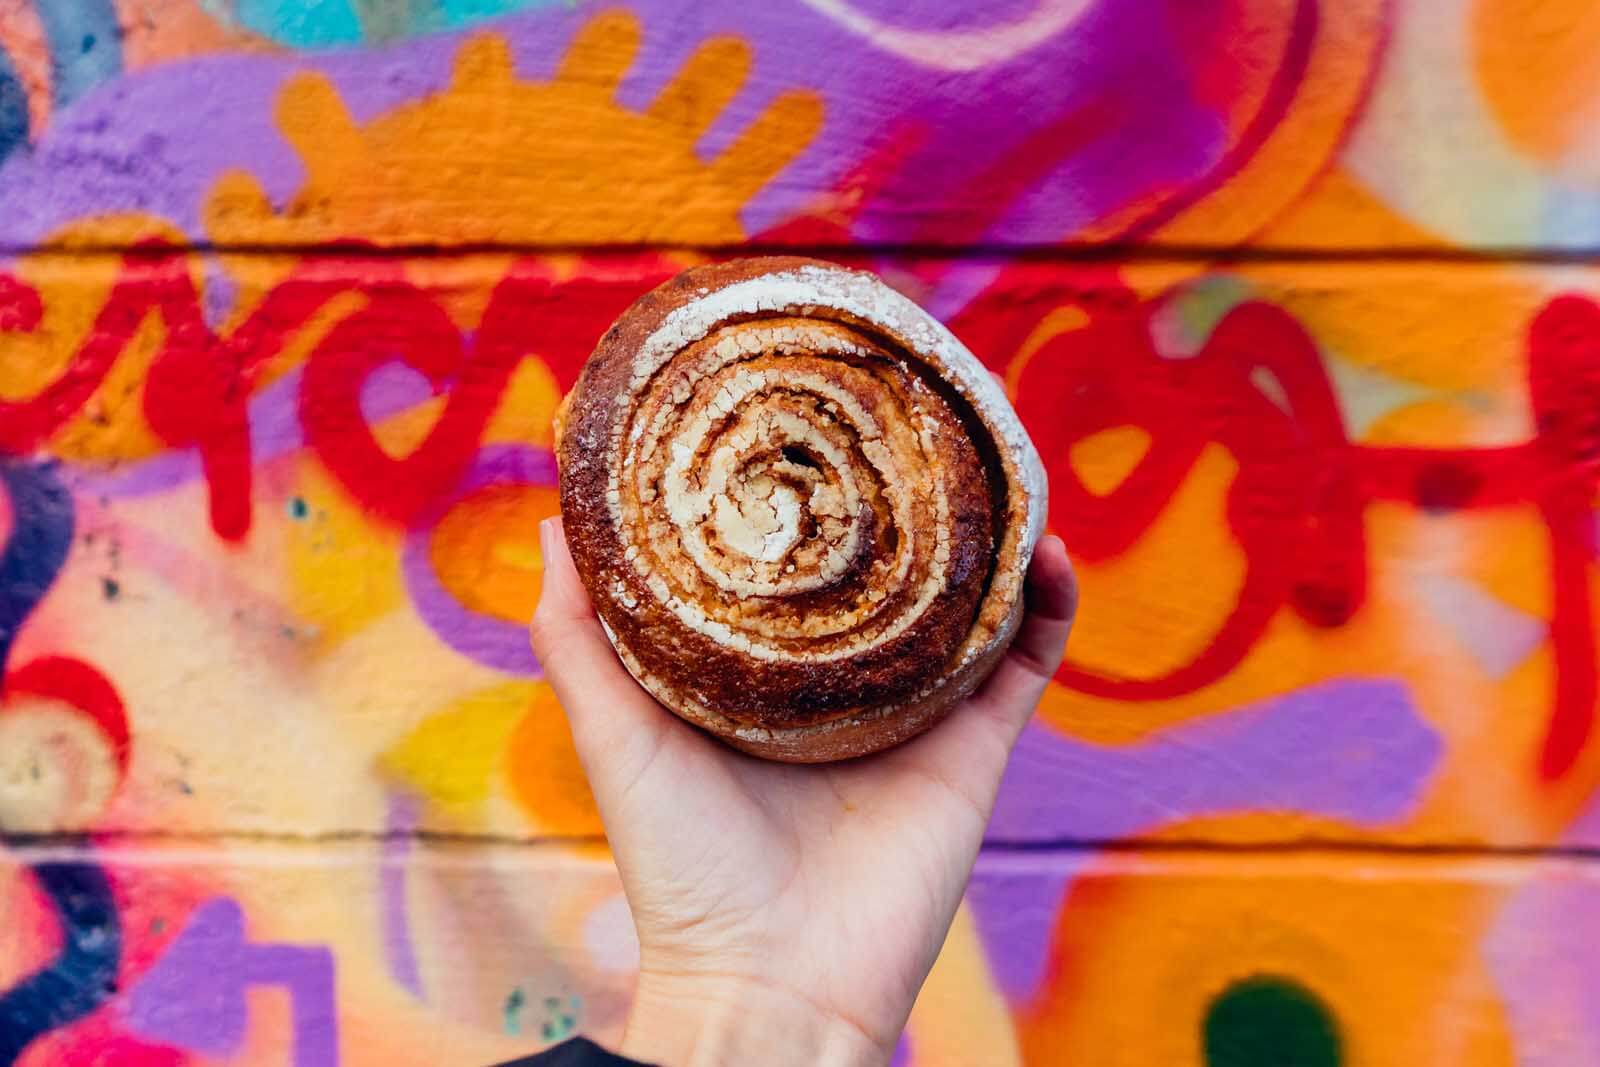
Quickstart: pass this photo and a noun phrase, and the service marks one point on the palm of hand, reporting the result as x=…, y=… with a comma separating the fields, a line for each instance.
x=788, y=874
x=832, y=884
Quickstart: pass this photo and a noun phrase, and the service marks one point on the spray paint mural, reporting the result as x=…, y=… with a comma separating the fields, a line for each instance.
x=1292, y=294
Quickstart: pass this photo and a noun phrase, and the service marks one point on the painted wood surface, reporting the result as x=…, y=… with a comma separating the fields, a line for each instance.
x=1293, y=295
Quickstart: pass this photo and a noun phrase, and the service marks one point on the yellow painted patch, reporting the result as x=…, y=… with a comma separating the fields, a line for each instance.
x=960, y=1009
x=546, y=777
x=526, y=412
x=1102, y=460
x=344, y=569
x=452, y=756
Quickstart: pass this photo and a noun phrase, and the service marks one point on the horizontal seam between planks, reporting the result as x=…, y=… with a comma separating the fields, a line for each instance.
x=1064, y=253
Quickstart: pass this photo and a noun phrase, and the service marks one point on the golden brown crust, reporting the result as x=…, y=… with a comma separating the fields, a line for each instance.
x=803, y=533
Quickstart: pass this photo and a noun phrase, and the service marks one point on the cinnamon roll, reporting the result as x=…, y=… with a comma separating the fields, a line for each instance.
x=802, y=509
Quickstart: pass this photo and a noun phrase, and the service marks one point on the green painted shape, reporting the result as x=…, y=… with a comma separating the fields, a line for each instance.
x=1267, y=1021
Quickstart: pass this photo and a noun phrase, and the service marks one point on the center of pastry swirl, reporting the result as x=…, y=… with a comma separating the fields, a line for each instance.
x=793, y=489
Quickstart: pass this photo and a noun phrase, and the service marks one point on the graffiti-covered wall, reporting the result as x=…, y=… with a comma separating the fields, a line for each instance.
x=1295, y=296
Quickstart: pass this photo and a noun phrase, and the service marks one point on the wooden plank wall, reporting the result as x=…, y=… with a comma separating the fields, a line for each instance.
x=1296, y=296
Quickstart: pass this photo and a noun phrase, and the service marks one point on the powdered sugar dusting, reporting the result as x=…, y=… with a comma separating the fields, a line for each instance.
x=720, y=522
x=872, y=301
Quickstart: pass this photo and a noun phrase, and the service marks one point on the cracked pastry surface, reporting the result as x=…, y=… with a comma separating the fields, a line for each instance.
x=801, y=508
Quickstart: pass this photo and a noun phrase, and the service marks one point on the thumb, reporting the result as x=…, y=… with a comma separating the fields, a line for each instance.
x=615, y=724
x=563, y=602
x=1011, y=693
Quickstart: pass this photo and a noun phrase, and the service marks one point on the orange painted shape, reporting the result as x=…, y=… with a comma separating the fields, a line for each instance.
x=1325, y=101
x=73, y=289
x=486, y=549
x=525, y=155
x=546, y=777
x=1187, y=563
x=1536, y=64
x=1339, y=210
x=1450, y=326
x=1389, y=949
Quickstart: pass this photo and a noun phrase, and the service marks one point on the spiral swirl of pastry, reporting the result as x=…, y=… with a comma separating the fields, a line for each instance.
x=802, y=510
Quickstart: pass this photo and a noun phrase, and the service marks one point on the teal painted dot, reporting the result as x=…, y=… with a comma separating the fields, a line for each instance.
x=336, y=23
x=513, y=1011
x=297, y=508
x=303, y=23
x=1266, y=1021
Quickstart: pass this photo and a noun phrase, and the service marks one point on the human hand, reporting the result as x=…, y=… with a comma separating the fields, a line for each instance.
x=786, y=913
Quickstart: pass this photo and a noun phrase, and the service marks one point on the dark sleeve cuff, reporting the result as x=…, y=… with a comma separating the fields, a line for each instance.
x=579, y=1052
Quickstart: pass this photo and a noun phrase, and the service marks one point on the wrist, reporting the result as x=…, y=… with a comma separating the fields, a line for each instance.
x=680, y=1020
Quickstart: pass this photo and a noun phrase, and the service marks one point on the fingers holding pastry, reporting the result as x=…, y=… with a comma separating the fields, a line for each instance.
x=801, y=506
x=969, y=752
x=614, y=723
x=1012, y=692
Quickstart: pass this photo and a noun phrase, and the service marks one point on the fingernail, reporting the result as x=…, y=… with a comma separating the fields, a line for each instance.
x=547, y=535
